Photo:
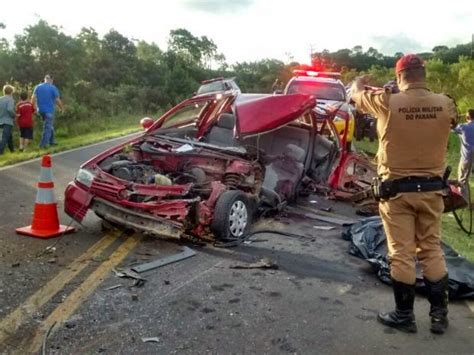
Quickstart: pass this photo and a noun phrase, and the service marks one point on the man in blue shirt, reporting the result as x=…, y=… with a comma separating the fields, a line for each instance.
x=46, y=96
x=466, y=133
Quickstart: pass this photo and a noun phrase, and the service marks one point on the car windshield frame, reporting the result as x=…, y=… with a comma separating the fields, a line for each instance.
x=297, y=87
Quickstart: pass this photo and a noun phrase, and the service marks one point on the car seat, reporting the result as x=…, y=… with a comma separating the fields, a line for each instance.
x=284, y=172
x=222, y=133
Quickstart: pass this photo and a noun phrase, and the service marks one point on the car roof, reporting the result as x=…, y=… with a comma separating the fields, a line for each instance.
x=216, y=79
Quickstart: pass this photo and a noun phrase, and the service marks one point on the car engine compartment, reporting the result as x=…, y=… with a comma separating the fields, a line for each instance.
x=156, y=163
x=145, y=172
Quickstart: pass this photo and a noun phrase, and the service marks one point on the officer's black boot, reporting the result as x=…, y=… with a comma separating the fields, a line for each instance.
x=403, y=317
x=438, y=297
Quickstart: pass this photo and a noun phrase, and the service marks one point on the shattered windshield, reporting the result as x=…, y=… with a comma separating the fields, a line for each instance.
x=322, y=91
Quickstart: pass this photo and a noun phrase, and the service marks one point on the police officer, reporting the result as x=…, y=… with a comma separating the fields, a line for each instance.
x=413, y=128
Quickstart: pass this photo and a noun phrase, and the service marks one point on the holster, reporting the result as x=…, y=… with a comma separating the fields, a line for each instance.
x=386, y=189
x=382, y=190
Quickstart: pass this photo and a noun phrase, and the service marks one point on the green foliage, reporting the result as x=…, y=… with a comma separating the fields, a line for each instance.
x=455, y=79
x=75, y=136
x=381, y=75
x=112, y=74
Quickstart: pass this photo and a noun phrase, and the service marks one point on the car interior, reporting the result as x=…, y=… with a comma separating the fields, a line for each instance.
x=324, y=153
x=222, y=133
x=285, y=152
x=283, y=173
x=282, y=142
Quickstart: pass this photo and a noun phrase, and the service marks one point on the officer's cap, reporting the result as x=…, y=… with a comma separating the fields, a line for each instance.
x=409, y=61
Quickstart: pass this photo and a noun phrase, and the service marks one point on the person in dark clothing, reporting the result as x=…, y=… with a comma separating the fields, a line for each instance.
x=7, y=114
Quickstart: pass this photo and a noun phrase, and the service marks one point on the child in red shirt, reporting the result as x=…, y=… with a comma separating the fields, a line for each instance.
x=24, y=119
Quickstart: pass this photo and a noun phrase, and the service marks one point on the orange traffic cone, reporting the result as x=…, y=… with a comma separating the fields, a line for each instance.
x=45, y=216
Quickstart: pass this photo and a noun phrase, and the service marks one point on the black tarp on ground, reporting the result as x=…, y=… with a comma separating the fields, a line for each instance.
x=367, y=239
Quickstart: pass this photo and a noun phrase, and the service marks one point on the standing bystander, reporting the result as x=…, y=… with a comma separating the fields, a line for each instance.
x=24, y=118
x=7, y=114
x=466, y=133
x=46, y=96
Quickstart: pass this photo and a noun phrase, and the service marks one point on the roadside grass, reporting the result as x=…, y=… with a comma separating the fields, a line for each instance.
x=451, y=233
x=71, y=135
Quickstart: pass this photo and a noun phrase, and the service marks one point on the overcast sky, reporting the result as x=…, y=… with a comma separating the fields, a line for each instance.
x=246, y=30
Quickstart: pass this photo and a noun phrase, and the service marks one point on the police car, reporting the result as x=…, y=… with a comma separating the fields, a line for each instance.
x=330, y=95
x=218, y=85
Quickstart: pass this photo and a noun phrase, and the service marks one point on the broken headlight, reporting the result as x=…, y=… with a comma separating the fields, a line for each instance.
x=85, y=177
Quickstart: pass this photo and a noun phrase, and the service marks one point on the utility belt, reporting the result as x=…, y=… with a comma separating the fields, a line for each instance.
x=384, y=190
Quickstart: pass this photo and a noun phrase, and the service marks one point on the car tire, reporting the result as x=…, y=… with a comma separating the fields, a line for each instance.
x=232, y=215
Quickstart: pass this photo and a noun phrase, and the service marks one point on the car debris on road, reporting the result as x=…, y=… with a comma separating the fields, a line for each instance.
x=185, y=254
x=128, y=273
x=151, y=340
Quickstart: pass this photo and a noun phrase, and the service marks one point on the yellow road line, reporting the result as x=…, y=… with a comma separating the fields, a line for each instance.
x=78, y=296
x=16, y=318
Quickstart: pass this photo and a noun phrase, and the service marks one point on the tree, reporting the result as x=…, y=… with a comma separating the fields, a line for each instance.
x=437, y=49
x=100, y=76
x=43, y=48
x=208, y=51
x=149, y=52
x=198, y=51
x=357, y=50
x=117, y=60
x=182, y=42
x=3, y=40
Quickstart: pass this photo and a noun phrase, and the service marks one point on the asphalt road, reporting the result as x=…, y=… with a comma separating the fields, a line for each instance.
x=319, y=301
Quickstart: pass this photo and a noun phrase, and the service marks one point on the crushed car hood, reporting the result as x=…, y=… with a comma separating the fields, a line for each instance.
x=265, y=113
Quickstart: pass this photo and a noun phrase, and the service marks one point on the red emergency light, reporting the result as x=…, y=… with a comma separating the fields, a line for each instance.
x=319, y=74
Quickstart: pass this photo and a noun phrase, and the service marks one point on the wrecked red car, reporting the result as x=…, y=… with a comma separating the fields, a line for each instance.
x=209, y=164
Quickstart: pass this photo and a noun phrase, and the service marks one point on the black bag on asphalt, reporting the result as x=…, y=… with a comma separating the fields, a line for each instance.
x=368, y=242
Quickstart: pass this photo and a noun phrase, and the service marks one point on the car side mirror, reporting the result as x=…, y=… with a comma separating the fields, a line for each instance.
x=278, y=92
x=146, y=122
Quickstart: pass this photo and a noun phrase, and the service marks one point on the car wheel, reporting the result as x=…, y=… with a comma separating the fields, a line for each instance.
x=232, y=215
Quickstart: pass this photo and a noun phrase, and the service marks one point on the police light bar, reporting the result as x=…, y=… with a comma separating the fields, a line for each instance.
x=320, y=74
